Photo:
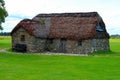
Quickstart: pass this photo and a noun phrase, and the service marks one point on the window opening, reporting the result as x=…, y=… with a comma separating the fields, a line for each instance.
x=51, y=41
x=22, y=38
x=99, y=28
x=80, y=43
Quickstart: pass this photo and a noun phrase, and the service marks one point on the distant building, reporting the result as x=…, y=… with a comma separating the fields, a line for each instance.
x=76, y=33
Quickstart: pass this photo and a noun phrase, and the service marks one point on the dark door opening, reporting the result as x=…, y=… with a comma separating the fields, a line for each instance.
x=20, y=47
x=63, y=45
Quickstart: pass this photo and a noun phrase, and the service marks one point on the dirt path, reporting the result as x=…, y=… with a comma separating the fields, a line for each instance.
x=3, y=50
x=47, y=53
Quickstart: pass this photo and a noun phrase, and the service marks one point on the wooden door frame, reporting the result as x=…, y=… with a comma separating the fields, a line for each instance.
x=63, y=45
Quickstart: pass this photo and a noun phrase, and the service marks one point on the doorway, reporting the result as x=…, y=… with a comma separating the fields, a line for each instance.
x=63, y=45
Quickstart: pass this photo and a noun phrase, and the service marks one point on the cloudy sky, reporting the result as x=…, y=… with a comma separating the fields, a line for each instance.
x=21, y=9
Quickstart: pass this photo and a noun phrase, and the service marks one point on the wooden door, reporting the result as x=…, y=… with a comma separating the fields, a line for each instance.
x=63, y=45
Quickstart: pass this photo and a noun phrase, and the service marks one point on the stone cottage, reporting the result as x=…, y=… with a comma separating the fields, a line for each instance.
x=76, y=33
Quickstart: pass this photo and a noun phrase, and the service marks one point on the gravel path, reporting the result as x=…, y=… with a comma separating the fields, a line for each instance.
x=3, y=50
x=46, y=53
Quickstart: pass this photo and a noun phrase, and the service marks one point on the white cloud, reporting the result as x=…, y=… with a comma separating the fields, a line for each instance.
x=10, y=24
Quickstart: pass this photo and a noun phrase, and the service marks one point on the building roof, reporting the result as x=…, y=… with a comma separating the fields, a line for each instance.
x=82, y=14
x=26, y=24
x=64, y=25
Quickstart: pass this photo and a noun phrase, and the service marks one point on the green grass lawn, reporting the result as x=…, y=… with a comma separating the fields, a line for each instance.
x=105, y=66
x=42, y=67
x=5, y=42
x=115, y=45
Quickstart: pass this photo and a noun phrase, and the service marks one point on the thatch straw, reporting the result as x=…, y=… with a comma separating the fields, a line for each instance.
x=75, y=26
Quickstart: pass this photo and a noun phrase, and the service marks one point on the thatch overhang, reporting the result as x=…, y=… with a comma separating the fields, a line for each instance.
x=34, y=28
x=26, y=24
x=76, y=26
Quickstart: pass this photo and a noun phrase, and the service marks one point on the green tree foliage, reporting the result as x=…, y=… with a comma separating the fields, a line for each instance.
x=3, y=13
x=117, y=36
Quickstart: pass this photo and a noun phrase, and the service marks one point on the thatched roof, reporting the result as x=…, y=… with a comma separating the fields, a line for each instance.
x=73, y=28
x=82, y=14
x=65, y=25
x=34, y=28
x=26, y=24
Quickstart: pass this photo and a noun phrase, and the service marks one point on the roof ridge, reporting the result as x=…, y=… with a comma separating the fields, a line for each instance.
x=77, y=14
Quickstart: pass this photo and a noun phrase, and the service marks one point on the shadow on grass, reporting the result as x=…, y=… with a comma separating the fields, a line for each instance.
x=105, y=53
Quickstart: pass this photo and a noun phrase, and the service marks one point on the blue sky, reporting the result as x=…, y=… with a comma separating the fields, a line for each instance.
x=20, y=9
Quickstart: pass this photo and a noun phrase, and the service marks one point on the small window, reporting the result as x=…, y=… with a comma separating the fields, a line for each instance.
x=51, y=41
x=99, y=28
x=22, y=38
x=80, y=43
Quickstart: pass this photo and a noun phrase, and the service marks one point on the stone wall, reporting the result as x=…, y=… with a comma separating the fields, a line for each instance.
x=36, y=45
x=100, y=45
x=16, y=39
x=88, y=46
x=39, y=45
x=73, y=47
x=33, y=44
x=55, y=45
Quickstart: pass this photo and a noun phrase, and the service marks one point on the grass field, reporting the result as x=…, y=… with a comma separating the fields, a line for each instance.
x=115, y=45
x=5, y=42
x=100, y=66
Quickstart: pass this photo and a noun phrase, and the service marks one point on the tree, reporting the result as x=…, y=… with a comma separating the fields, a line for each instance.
x=3, y=13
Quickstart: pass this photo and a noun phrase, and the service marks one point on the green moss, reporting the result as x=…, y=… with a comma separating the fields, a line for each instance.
x=42, y=21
